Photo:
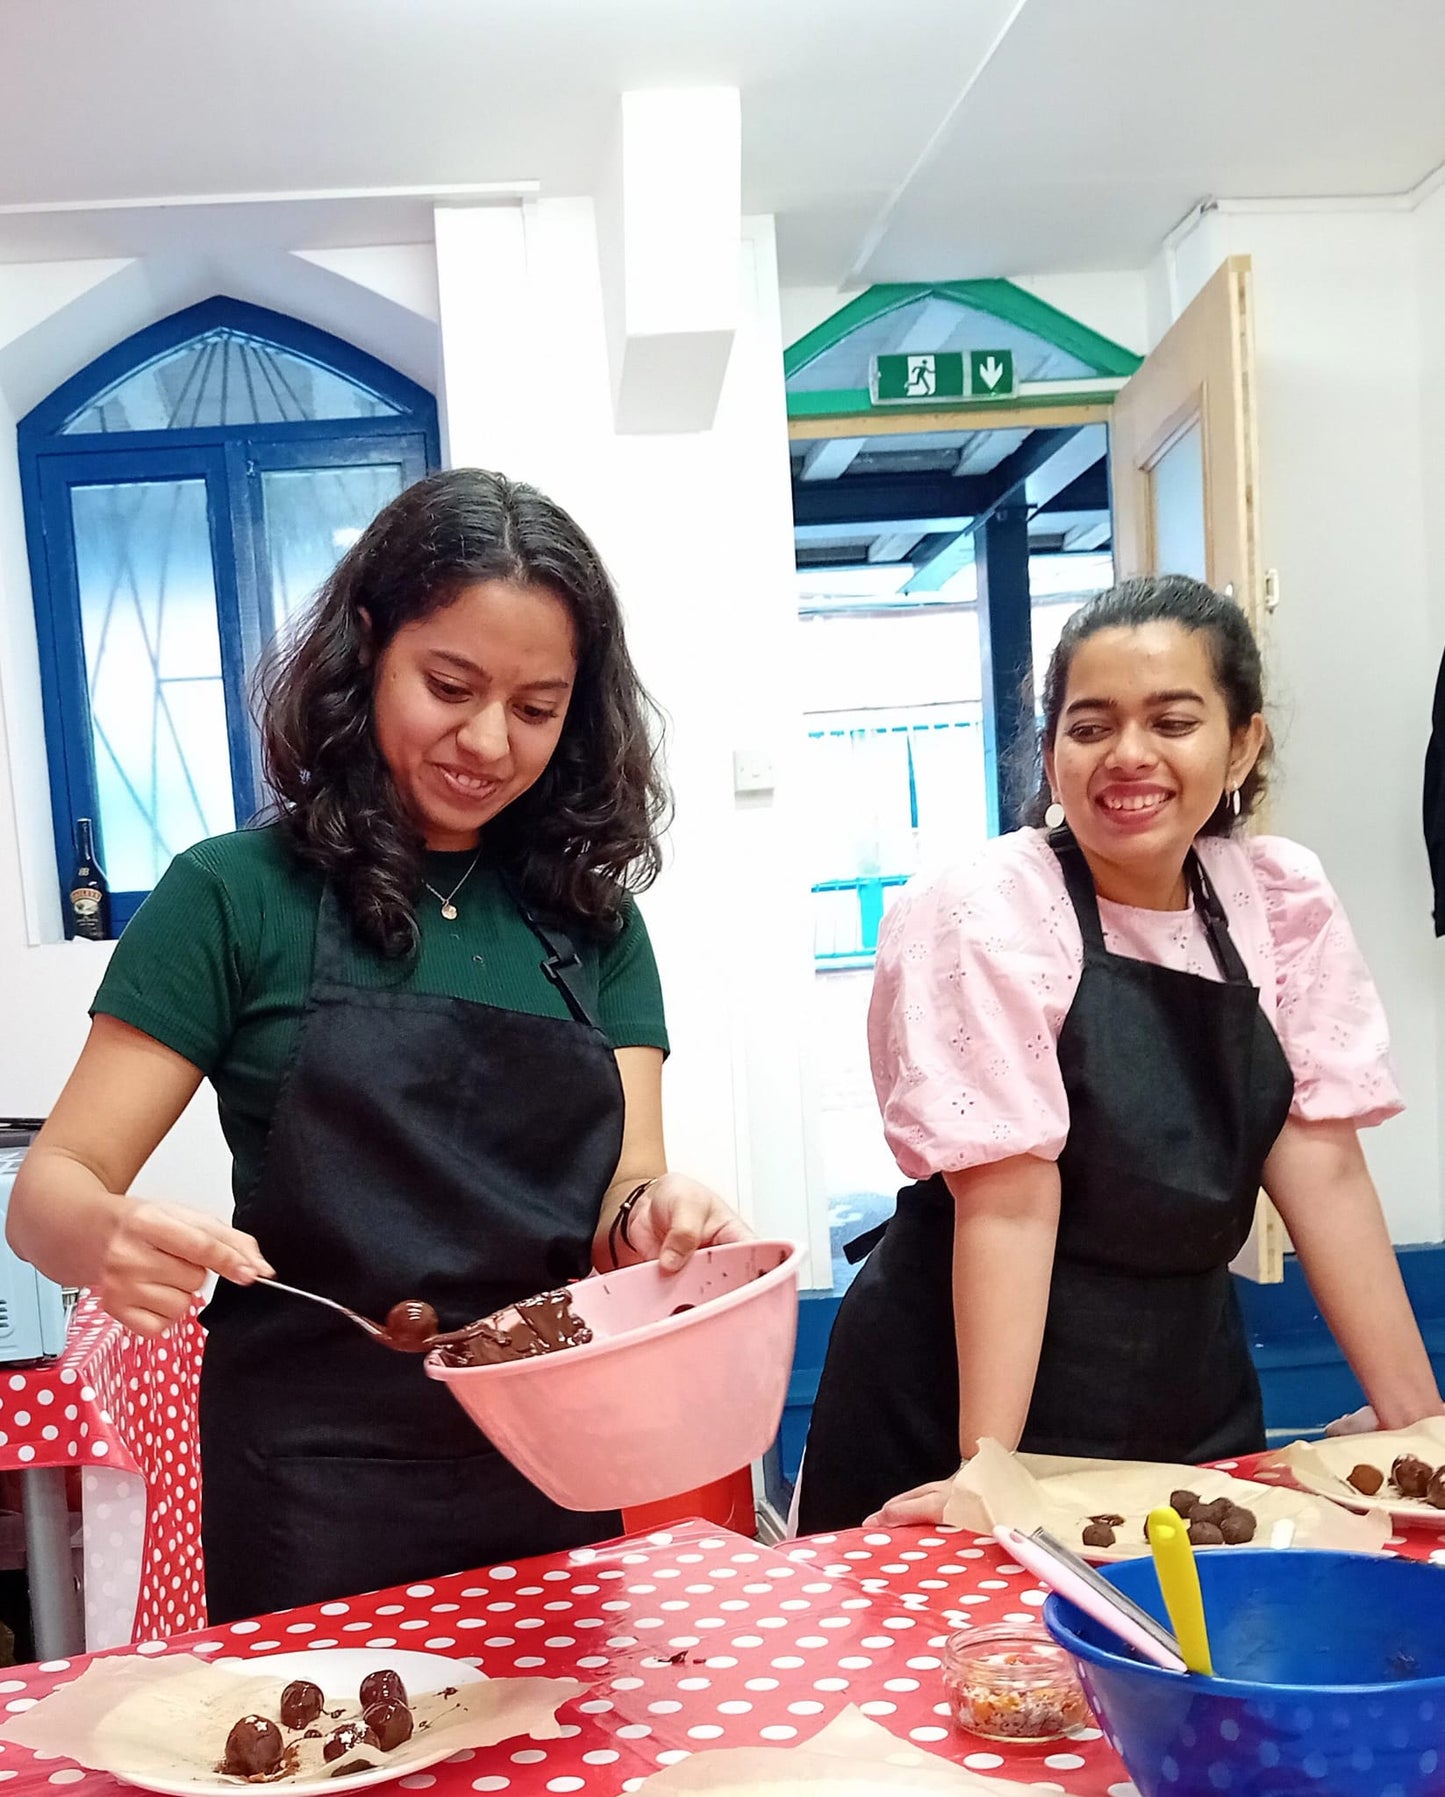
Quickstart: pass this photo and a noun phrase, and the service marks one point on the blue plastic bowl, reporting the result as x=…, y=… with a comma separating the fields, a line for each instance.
x=1331, y=1679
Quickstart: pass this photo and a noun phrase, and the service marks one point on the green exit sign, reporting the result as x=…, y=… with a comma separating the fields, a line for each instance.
x=940, y=376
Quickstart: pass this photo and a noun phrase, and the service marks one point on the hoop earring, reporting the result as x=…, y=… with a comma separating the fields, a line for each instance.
x=1054, y=815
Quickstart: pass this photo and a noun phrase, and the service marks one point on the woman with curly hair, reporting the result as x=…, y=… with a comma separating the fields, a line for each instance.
x=430, y=1012
x=1093, y=1041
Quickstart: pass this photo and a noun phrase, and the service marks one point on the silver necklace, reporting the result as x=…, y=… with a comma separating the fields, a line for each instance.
x=448, y=899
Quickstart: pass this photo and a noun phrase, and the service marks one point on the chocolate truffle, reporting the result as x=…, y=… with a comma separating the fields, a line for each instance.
x=1098, y=1534
x=1411, y=1475
x=381, y=1687
x=1367, y=1479
x=389, y=1721
x=1183, y=1502
x=410, y=1325
x=253, y=1746
x=1238, y=1526
x=346, y=1739
x=1206, y=1534
x=300, y=1703
x=1435, y=1490
x=1214, y=1512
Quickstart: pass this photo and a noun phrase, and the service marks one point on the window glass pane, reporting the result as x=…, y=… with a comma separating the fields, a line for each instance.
x=1177, y=483
x=312, y=516
x=227, y=377
x=153, y=666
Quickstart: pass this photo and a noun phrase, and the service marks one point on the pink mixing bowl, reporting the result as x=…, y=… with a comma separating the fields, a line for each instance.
x=656, y=1402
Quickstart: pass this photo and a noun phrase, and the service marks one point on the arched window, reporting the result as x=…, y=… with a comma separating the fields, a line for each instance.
x=185, y=494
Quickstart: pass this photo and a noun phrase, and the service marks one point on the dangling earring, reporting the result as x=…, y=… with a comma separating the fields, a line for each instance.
x=1054, y=815
x=1234, y=800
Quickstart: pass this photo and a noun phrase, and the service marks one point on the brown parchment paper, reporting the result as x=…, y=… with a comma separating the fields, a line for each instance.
x=167, y=1719
x=1321, y=1467
x=1046, y=1491
x=852, y=1755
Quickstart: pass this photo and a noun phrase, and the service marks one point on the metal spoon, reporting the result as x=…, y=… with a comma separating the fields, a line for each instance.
x=403, y=1343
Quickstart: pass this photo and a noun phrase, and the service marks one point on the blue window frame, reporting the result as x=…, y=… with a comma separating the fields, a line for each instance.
x=185, y=494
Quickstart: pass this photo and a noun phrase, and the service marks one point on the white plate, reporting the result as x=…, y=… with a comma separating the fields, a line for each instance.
x=339, y=1671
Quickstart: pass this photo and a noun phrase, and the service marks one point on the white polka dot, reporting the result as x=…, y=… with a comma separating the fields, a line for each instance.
x=830, y=1684
x=71, y=1777
x=528, y=1756
x=336, y=1609
x=982, y=1762
x=634, y=1731
x=877, y=1707
x=1064, y=1762
x=244, y=1628
x=565, y=1784
x=601, y=1756
x=491, y=1784
x=418, y=1781
x=704, y=1731
x=939, y=1734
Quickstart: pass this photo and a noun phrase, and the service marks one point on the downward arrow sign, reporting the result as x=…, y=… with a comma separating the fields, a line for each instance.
x=991, y=372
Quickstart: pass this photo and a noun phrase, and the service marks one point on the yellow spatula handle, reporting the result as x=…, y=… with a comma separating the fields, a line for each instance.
x=1179, y=1581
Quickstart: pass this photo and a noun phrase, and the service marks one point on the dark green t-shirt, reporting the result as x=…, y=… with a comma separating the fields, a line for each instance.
x=216, y=965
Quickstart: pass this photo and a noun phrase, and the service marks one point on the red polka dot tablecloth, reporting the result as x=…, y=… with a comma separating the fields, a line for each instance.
x=123, y=1409
x=687, y=1639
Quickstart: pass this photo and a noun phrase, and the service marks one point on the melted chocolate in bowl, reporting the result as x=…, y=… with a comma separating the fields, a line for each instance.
x=540, y=1325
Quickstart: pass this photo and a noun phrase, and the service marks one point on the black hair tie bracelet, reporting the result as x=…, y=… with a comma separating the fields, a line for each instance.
x=618, y=1226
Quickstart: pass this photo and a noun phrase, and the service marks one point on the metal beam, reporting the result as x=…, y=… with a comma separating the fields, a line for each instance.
x=1073, y=457
x=1036, y=451
x=1089, y=493
x=898, y=496
x=830, y=458
x=1005, y=641
x=933, y=573
x=893, y=548
x=1089, y=536
x=858, y=528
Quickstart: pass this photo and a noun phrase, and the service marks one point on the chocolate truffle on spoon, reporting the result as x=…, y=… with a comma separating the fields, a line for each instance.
x=410, y=1326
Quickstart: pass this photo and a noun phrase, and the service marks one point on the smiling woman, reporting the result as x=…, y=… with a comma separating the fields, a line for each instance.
x=428, y=1006
x=1091, y=1047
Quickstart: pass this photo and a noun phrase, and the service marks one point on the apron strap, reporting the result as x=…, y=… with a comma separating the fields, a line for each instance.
x=1216, y=925
x=1080, y=884
x=560, y=961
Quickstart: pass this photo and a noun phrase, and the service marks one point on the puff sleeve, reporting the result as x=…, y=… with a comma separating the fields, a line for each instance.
x=1330, y=1020
x=975, y=973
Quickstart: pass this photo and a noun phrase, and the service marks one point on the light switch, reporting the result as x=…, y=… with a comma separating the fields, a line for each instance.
x=752, y=771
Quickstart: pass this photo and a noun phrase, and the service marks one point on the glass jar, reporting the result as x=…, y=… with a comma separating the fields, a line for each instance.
x=1012, y=1682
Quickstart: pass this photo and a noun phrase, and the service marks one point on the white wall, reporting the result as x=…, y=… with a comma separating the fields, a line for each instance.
x=1341, y=320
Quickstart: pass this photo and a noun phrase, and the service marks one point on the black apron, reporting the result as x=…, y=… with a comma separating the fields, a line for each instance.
x=1177, y=1089
x=422, y=1147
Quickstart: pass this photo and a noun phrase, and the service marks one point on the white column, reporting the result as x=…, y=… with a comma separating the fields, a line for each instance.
x=487, y=348
x=669, y=226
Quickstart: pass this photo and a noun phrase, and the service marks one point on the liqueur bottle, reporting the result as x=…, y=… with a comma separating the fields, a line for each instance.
x=88, y=897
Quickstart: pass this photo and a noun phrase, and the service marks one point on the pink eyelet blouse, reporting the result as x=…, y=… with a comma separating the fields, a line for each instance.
x=977, y=967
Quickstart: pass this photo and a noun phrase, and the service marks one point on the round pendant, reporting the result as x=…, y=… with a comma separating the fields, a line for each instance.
x=449, y=911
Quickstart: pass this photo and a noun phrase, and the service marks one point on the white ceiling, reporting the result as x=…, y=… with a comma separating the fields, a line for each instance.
x=923, y=138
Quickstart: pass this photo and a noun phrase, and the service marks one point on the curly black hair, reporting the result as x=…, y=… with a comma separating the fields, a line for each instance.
x=574, y=842
x=1233, y=653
